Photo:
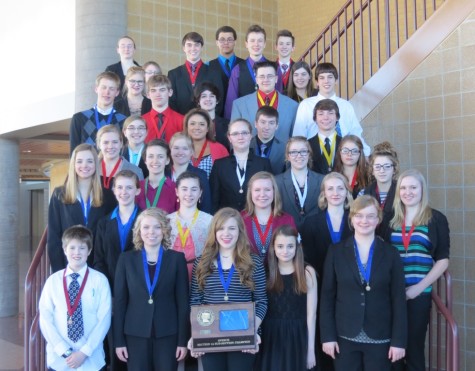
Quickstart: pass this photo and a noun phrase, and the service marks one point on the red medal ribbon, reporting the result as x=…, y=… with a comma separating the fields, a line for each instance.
x=353, y=181
x=406, y=238
x=159, y=132
x=193, y=76
x=72, y=308
x=263, y=236
x=200, y=156
x=106, y=180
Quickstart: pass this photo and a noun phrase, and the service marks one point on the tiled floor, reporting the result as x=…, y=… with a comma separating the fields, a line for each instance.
x=12, y=328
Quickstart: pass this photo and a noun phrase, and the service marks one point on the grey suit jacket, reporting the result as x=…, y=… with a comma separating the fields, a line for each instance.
x=286, y=189
x=246, y=107
x=276, y=155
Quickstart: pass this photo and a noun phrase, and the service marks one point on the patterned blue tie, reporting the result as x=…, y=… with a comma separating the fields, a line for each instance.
x=263, y=150
x=75, y=323
x=338, y=129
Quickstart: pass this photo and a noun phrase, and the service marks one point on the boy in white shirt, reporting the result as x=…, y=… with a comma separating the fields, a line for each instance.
x=75, y=308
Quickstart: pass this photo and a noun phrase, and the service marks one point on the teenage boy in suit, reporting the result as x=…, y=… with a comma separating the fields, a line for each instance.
x=75, y=308
x=223, y=65
x=265, y=143
x=185, y=77
x=267, y=95
x=284, y=45
x=126, y=50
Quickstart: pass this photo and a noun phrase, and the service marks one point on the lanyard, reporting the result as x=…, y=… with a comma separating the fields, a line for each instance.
x=151, y=286
x=86, y=208
x=365, y=272
x=328, y=156
x=96, y=116
x=263, y=236
x=72, y=308
x=406, y=238
x=157, y=194
x=302, y=197
x=225, y=283
x=263, y=103
x=200, y=156
x=240, y=177
x=223, y=67
x=353, y=181
x=159, y=132
x=335, y=236
x=193, y=75
x=106, y=180
x=124, y=229
x=251, y=70
x=184, y=234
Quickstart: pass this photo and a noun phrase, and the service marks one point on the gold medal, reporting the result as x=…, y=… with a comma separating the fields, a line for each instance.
x=150, y=301
x=226, y=297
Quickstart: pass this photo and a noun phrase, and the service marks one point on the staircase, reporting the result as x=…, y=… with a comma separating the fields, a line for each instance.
x=376, y=44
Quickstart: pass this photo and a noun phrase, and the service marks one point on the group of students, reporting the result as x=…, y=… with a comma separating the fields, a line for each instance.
x=338, y=251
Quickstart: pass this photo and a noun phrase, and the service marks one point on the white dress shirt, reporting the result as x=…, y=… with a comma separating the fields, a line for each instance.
x=96, y=311
x=349, y=124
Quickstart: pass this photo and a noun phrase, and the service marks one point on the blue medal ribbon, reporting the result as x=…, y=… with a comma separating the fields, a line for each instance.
x=336, y=236
x=225, y=283
x=124, y=229
x=223, y=67
x=96, y=115
x=151, y=286
x=86, y=208
x=365, y=272
x=251, y=70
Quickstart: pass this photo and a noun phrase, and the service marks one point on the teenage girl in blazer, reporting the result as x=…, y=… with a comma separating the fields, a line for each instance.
x=78, y=201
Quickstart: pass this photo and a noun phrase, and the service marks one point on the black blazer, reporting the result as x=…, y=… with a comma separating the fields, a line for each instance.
x=168, y=315
x=61, y=216
x=221, y=127
x=286, y=189
x=346, y=307
x=205, y=204
x=117, y=69
x=320, y=164
x=383, y=230
x=316, y=239
x=182, y=99
x=217, y=69
x=107, y=246
x=225, y=183
x=122, y=105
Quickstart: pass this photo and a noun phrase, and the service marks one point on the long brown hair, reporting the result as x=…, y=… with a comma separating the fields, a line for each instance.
x=242, y=252
x=291, y=89
x=274, y=281
x=71, y=183
x=361, y=169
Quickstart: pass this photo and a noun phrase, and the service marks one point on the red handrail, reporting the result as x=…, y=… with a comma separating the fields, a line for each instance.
x=34, y=357
x=442, y=311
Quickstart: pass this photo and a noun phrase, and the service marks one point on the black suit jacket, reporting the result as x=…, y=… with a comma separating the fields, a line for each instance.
x=182, y=99
x=168, y=315
x=316, y=239
x=107, y=247
x=217, y=69
x=122, y=105
x=320, y=164
x=346, y=307
x=225, y=183
x=117, y=68
x=221, y=127
x=142, y=165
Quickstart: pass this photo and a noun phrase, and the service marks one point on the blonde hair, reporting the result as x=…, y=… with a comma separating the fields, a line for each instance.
x=131, y=119
x=250, y=208
x=387, y=150
x=274, y=280
x=180, y=135
x=362, y=202
x=322, y=201
x=132, y=71
x=71, y=184
x=242, y=252
x=161, y=216
x=104, y=130
x=425, y=211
